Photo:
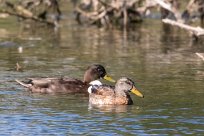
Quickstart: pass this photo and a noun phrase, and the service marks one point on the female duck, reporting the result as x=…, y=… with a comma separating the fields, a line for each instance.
x=110, y=95
x=66, y=85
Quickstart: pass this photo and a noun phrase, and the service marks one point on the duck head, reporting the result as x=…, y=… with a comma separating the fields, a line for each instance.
x=125, y=85
x=95, y=72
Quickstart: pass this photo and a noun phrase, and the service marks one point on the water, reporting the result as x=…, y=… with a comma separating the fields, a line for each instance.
x=162, y=62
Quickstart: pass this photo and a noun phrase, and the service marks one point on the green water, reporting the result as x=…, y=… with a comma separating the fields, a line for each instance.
x=161, y=60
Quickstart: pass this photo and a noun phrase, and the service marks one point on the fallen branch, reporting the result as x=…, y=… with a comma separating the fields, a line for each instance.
x=164, y=5
x=91, y=15
x=200, y=55
x=103, y=13
x=19, y=11
x=28, y=17
x=169, y=7
x=197, y=31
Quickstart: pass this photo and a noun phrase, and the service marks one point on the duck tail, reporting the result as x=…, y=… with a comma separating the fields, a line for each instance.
x=23, y=84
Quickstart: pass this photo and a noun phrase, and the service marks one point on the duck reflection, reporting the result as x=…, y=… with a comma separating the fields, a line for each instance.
x=110, y=108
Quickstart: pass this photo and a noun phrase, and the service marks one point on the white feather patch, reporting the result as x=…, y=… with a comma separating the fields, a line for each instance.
x=92, y=83
x=95, y=82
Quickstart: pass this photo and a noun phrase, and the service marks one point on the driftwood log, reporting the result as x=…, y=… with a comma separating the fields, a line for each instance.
x=103, y=13
x=26, y=11
x=195, y=31
x=169, y=9
x=107, y=13
x=200, y=55
x=195, y=8
x=124, y=12
x=41, y=8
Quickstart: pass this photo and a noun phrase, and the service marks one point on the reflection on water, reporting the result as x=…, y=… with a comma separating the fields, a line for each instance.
x=111, y=108
x=161, y=61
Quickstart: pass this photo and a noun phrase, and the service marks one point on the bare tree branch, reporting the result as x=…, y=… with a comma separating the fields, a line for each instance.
x=168, y=6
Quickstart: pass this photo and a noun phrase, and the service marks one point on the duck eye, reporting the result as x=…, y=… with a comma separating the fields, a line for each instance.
x=101, y=72
x=127, y=82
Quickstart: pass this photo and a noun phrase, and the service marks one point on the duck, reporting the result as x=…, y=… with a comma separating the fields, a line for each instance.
x=67, y=84
x=100, y=94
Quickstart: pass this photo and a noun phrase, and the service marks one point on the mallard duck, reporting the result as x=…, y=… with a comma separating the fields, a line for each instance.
x=66, y=85
x=116, y=95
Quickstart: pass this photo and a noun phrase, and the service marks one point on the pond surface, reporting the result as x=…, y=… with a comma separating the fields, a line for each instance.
x=160, y=59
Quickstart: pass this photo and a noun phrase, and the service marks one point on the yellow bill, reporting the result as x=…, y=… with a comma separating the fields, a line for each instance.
x=106, y=77
x=136, y=92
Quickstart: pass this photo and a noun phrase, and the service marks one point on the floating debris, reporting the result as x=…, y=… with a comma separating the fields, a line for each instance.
x=20, y=49
x=18, y=67
x=200, y=55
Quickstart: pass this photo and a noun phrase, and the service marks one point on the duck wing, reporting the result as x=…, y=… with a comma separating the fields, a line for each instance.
x=40, y=82
x=54, y=85
x=45, y=82
x=37, y=82
x=104, y=90
x=102, y=95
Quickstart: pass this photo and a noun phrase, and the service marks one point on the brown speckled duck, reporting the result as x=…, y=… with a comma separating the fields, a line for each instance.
x=113, y=95
x=66, y=85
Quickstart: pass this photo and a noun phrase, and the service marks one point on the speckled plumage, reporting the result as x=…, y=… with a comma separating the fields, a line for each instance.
x=114, y=95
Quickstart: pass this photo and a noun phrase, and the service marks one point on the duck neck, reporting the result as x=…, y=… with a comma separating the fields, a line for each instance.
x=87, y=80
x=88, y=77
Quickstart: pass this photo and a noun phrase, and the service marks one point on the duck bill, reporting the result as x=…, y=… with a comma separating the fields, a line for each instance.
x=136, y=92
x=108, y=78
